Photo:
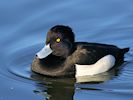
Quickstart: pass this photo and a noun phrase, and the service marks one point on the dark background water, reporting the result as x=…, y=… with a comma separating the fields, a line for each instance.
x=23, y=27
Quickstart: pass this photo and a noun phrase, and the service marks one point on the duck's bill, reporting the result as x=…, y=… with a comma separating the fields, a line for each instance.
x=46, y=50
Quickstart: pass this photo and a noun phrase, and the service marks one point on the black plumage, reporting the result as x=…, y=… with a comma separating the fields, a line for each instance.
x=67, y=53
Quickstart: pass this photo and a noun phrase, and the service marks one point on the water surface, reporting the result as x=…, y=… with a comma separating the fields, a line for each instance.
x=23, y=27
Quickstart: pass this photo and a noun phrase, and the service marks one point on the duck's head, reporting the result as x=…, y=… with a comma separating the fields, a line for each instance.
x=59, y=42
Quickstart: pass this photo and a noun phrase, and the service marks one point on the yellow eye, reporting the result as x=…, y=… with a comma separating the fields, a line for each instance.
x=58, y=40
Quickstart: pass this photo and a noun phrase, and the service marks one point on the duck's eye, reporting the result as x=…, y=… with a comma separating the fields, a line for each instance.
x=58, y=40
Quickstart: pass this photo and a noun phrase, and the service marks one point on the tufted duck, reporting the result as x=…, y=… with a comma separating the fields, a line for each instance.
x=62, y=56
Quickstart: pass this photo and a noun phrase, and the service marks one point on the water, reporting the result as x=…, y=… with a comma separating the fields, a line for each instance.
x=23, y=27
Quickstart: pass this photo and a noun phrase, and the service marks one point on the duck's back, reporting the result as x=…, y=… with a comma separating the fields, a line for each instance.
x=90, y=53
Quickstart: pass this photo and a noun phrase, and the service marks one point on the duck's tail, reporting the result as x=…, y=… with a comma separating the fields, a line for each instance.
x=121, y=55
x=124, y=50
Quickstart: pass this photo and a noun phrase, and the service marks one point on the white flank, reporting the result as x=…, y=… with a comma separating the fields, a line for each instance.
x=102, y=65
x=46, y=50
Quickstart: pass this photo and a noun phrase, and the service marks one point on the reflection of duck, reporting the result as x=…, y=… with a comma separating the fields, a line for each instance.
x=65, y=88
x=63, y=57
x=55, y=89
x=99, y=78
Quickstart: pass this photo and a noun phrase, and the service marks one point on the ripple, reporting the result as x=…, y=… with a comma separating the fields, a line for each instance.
x=18, y=63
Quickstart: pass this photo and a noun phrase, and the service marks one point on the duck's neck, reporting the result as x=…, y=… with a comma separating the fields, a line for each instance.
x=52, y=61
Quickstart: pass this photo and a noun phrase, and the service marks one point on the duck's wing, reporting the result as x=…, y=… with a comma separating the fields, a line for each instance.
x=90, y=53
x=87, y=56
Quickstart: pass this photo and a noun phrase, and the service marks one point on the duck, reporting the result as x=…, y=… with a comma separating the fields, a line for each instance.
x=61, y=56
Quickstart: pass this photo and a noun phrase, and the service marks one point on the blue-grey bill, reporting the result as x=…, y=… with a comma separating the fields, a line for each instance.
x=46, y=50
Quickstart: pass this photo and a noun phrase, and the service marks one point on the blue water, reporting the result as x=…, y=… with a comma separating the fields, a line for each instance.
x=23, y=27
